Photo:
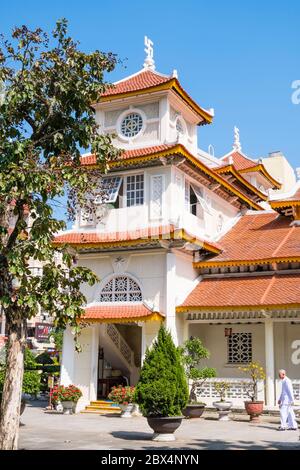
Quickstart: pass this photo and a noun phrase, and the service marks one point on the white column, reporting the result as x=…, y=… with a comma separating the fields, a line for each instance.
x=270, y=368
x=164, y=120
x=143, y=343
x=185, y=333
x=170, y=294
x=68, y=358
x=94, y=363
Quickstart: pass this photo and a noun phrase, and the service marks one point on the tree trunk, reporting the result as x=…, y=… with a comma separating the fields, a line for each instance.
x=12, y=389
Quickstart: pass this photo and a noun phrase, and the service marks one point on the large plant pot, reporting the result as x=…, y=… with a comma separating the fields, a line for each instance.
x=194, y=411
x=68, y=407
x=127, y=410
x=223, y=408
x=254, y=410
x=164, y=427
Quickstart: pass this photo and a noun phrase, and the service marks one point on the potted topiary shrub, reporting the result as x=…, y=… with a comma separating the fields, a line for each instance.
x=223, y=405
x=67, y=396
x=123, y=396
x=192, y=353
x=254, y=407
x=162, y=391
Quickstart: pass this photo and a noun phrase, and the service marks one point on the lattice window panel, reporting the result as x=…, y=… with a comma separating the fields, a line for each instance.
x=239, y=348
x=156, y=196
x=121, y=289
x=237, y=390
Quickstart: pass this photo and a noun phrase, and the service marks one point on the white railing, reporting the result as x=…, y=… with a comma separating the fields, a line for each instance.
x=296, y=388
x=120, y=343
x=236, y=392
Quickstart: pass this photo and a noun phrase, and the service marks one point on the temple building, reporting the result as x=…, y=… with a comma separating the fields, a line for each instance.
x=209, y=246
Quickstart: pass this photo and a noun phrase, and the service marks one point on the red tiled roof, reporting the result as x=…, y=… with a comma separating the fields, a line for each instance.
x=118, y=312
x=245, y=292
x=97, y=237
x=141, y=152
x=258, y=237
x=244, y=164
x=240, y=161
x=140, y=81
x=145, y=234
x=148, y=80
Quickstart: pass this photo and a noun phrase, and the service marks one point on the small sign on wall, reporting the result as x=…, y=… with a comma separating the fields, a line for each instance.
x=228, y=331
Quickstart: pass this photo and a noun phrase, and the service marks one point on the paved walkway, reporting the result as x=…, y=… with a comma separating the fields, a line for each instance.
x=42, y=430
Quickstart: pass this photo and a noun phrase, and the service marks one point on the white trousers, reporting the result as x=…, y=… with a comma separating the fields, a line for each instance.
x=287, y=417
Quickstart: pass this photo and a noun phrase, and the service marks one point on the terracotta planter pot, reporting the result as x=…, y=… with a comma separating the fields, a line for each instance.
x=193, y=411
x=164, y=427
x=254, y=410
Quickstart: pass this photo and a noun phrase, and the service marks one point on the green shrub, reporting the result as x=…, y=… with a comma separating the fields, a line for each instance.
x=31, y=377
x=192, y=353
x=162, y=389
x=31, y=382
x=29, y=360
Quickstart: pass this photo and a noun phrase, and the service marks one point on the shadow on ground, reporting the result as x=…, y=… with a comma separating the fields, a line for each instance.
x=132, y=435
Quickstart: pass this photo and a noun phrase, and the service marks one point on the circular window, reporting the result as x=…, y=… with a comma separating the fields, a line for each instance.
x=131, y=125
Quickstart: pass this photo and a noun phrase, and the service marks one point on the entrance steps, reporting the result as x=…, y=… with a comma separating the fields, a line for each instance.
x=102, y=407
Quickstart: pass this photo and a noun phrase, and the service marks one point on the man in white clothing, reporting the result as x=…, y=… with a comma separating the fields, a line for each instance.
x=285, y=402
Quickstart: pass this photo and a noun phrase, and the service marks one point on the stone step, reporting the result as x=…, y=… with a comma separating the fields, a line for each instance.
x=98, y=411
x=103, y=402
x=92, y=407
x=102, y=407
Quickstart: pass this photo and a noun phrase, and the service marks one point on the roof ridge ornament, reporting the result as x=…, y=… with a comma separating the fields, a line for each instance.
x=149, y=61
x=237, y=144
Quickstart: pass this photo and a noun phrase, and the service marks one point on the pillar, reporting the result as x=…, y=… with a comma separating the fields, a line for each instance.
x=94, y=363
x=269, y=358
x=68, y=358
x=143, y=343
x=170, y=295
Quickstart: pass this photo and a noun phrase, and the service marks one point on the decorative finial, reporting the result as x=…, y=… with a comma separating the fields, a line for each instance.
x=149, y=62
x=175, y=73
x=237, y=144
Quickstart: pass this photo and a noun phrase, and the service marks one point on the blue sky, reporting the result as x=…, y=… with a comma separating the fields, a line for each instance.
x=237, y=57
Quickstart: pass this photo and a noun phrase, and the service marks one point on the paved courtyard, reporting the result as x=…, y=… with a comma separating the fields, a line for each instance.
x=40, y=430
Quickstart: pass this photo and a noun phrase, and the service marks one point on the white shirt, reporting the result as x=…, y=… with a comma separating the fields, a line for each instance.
x=287, y=393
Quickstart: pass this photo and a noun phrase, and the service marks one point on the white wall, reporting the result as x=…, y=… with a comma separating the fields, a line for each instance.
x=286, y=346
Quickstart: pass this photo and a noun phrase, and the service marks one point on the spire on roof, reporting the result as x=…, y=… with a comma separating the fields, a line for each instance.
x=149, y=61
x=237, y=144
